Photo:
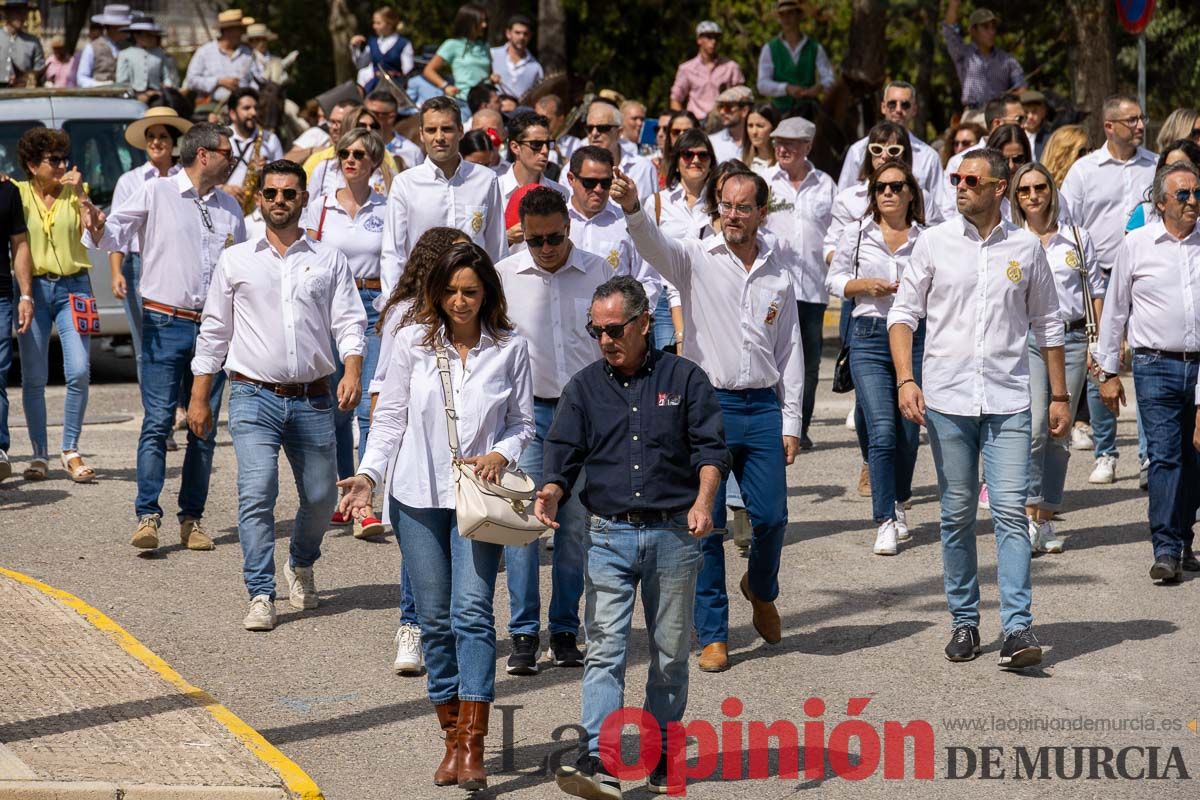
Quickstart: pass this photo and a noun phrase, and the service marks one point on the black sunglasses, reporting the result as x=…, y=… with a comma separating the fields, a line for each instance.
x=591, y=183
x=614, y=331
x=554, y=240
x=601, y=128
x=370, y=125
x=896, y=186
x=695, y=155
x=1183, y=195
x=358, y=155
x=537, y=145
x=1017, y=160
x=55, y=161
x=288, y=194
x=904, y=104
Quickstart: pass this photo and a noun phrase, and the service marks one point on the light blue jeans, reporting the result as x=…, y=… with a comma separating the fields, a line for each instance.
x=261, y=423
x=1048, y=456
x=665, y=562
x=566, y=570
x=957, y=443
x=344, y=420
x=7, y=308
x=52, y=310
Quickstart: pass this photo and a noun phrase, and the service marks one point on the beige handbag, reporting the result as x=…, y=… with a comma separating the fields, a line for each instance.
x=496, y=513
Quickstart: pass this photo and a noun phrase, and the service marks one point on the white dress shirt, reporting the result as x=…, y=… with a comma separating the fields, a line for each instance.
x=1101, y=192
x=387, y=342
x=179, y=250
x=551, y=311
x=875, y=260
x=850, y=206
x=209, y=64
x=679, y=221
x=274, y=318
x=799, y=219
x=327, y=178
x=516, y=77
x=642, y=171
x=926, y=166
x=607, y=236
x=725, y=148
x=423, y=197
x=508, y=185
x=980, y=299
x=742, y=327
x=1063, y=257
x=243, y=153
x=406, y=150
x=769, y=87
x=1153, y=295
x=129, y=184
x=359, y=238
x=362, y=57
x=493, y=401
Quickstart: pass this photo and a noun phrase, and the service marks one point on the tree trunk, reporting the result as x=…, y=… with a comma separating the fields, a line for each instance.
x=342, y=26
x=498, y=13
x=552, y=35
x=76, y=19
x=866, y=56
x=1093, y=61
x=924, y=80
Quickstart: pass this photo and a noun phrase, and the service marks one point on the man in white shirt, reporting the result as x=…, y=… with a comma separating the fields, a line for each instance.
x=1004, y=110
x=275, y=308
x=1100, y=192
x=549, y=287
x=733, y=106
x=445, y=190
x=740, y=326
x=1154, y=300
x=982, y=285
x=529, y=141
x=603, y=130
x=218, y=67
x=800, y=213
x=519, y=71
x=633, y=117
x=184, y=223
x=383, y=106
x=253, y=146
x=552, y=108
x=899, y=105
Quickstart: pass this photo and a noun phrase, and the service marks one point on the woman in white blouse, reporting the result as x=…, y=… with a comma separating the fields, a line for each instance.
x=1034, y=201
x=867, y=264
x=463, y=311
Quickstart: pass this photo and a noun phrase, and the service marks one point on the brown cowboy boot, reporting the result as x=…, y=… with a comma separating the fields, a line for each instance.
x=472, y=728
x=447, y=771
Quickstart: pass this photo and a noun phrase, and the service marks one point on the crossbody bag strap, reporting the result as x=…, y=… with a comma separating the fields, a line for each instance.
x=857, y=247
x=443, y=365
x=1089, y=311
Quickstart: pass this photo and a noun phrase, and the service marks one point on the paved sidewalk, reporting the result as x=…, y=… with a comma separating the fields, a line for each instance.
x=88, y=712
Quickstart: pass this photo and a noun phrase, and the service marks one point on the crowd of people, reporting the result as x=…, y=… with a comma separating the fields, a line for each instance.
x=637, y=327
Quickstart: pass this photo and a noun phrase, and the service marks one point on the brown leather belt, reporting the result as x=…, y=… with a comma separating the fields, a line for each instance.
x=171, y=311
x=315, y=389
x=368, y=283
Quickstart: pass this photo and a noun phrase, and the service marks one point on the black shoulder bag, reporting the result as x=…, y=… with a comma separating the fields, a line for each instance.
x=843, y=381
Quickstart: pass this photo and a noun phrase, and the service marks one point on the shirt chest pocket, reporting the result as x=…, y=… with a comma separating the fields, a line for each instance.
x=313, y=285
x=818, y=209
x=667, y=418
x=767, y=306
x=474, y=220
x=609, y=250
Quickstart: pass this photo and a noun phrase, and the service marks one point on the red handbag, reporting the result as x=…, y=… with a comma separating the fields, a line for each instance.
x=84, y=314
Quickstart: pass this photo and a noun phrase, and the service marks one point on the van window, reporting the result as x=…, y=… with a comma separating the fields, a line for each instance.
x=99, y=149
x=10, y=134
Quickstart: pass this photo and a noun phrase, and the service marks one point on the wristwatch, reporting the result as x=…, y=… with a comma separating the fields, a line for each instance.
x=1105, y=377
x=1060, y=398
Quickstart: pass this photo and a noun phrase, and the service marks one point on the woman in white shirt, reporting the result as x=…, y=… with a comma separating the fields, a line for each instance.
x=462, y=312
x=759, y=153
x=867, y=264
x=1035, y=204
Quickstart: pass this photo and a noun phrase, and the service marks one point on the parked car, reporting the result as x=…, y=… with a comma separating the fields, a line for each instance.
x=95, y=119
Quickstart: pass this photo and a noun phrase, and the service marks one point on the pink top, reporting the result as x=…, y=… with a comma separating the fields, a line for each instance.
x=697, y=84
x=61, y=73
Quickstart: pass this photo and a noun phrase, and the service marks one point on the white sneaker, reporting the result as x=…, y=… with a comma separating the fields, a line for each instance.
x=850, y=420
x=902, y=534
x=5, y=465
x=410, y=660
x=1034, y=532
x=1047, y=541
x=885, y=539
x=261, y=616
x=1105, y=471
x=1081, y=437
x=302, y=588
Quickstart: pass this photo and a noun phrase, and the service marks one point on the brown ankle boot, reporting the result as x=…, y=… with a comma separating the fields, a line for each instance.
x=447, y=771
x=472, y=728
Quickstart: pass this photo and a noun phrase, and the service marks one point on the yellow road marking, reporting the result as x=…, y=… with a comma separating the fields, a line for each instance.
x=294, y=778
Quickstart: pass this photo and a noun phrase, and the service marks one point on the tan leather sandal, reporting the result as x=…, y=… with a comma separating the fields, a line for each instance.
x=80, y=472
x=37, y=470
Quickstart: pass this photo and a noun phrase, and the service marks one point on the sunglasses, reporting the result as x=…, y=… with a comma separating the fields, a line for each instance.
x=600, y=128
x=615, y=331
x=536, y=145
x=890, y=150
x=1037, y=188
x=357, y=155
x=1183, y=195
x=972, y=181
x=896, y=186
x=695, y=155
x=56, y=161
x=590, y=184
x=1019, y=119
x=961, y=143
x=225, y=152
x=904, y=104
x=374, y=126
x=288, y=194
x=1016, y=161
x=726, y=108
x=554, y=240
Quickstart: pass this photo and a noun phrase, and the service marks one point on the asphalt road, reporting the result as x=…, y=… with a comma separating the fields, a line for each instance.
x=1122, y=653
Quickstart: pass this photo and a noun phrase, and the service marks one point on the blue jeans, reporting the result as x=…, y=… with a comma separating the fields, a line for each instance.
x=566, y=570
x=52, y=310
x=664, y=326
x=6, y=331
x=344, y=419
x=454, y=590
x=846, y=332
x=754, y=435
x=620, y=556
x=812, y=322
x=131, y=270
x=892, y=440
x=1048, y=456
x=1003, y=440
x=1166, y=393
x=168, y=344
x=260, y=423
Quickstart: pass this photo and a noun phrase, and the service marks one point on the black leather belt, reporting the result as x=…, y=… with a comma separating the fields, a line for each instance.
x=645, y=517
x=1174, y=355
x=550, y=400
x=1077, y=325
x=315, y=389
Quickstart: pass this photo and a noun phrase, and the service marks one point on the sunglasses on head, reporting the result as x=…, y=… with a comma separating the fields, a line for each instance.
x=536, y=145
x=288, y=194
x=357, y=155
x=591, y=183
x=1037, y=188
x=890, y=150
x=615, y=331
x=554, y=240
x=896, y=186
x=600, y=128
x=695, y=155
x=971, y=181
x=1183, y=195
x=904, y=104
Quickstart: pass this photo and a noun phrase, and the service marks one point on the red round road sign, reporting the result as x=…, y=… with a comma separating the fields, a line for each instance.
x=1135, y=15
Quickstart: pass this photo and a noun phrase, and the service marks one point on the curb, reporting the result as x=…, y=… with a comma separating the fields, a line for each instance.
x=102, y=790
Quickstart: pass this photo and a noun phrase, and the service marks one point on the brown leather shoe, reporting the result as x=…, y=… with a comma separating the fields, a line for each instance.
x=766, y=618
x=714, y=657
x=447, y=771
x=193, y=536
x=864, y=482
x=472, y=728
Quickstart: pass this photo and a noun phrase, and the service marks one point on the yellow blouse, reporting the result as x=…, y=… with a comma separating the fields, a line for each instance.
x=55, y=232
